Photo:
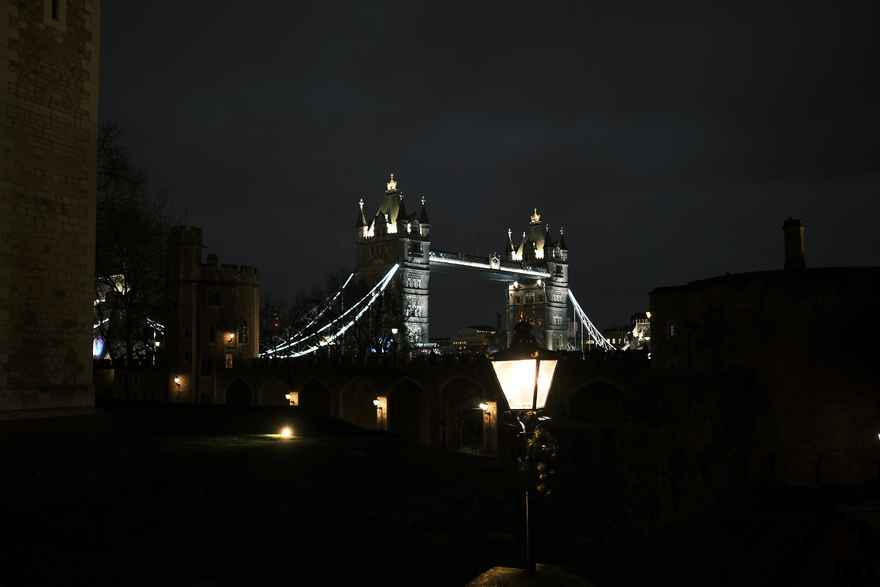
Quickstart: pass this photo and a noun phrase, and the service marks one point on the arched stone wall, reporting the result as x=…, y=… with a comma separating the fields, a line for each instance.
x=462, y=419
x=239, y=394
x=315, y=398
x=356, y=400
x=406, y=410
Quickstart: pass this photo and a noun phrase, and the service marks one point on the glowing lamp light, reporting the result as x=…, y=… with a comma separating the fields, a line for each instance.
x=98, y=347
x=286, y=432
x=377, y=403
x=525, y=373
x=178, y=380
x=484, y=406
x=394, y=331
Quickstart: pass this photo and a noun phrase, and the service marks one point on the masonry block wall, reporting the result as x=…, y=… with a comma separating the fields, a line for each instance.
x=48, y=124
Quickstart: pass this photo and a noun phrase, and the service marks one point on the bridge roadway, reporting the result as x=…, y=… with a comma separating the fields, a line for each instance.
x=503, y=267
x=430, y=402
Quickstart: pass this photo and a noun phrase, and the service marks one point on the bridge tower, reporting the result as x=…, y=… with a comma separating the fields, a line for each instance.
x=543, y=303
x=394, y=235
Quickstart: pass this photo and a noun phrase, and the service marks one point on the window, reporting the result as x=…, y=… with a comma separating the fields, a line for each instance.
x=229, y=360
x=671, y=329
x=243, y=333
x=55, y=13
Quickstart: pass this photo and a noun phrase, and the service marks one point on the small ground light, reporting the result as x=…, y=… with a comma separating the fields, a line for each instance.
x=286, y=432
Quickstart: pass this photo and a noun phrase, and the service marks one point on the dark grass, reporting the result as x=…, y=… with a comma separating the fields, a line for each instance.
x=185, y=495
x=196, y=496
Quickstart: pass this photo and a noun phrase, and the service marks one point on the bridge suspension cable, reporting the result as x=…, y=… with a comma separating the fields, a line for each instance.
x=315, y=342
x=292, y=339
x=591, y=329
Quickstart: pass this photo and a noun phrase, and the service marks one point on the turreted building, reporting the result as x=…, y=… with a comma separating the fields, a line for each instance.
x=395, y=235
x=543, y=303
x=215, y=321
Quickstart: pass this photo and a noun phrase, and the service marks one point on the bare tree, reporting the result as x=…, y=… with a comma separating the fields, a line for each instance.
x=131, y=251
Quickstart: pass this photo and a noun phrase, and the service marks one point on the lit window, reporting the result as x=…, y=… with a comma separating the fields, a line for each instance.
x=229, y=360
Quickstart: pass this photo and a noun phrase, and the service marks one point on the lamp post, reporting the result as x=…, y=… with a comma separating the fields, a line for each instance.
x=525, y=373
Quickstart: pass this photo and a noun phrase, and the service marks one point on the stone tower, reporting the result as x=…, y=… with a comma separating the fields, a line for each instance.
x=395, y=235
x=543, y=303
x=49, y=52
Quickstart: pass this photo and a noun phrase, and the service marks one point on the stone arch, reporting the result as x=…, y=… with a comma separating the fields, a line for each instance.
x=239, y=394
x=406, y=412
x=315, y=398
x=356, y=401
x=462, y=421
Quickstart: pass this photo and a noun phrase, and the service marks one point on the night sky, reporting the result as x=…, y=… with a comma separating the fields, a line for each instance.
x=671, y=141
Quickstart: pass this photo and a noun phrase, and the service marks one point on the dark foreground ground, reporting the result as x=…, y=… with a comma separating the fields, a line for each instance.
x=203, y=496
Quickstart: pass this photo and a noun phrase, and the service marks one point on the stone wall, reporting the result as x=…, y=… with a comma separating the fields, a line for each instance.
x=48, y=126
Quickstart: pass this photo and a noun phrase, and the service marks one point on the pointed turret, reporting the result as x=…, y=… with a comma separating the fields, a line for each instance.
x=361, y=219
x=518, y=253
x=401, y=211
x=562, y=244
x=423, y=213
x=391, y=186
x=548, y=239
x=508, y=249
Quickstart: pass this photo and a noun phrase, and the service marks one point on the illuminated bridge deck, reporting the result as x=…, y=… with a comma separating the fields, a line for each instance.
x=504, y=268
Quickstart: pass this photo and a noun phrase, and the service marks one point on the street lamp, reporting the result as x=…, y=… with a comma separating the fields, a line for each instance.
x=525, y=373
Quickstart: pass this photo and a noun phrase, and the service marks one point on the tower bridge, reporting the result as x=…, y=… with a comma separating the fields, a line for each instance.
x=395, y=258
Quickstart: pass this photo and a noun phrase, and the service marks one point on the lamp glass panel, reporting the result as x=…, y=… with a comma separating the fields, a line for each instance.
x=517, y=379
x=545, y=378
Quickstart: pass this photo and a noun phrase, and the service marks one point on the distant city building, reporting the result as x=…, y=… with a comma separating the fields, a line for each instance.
x=475, y=340
x=215, y=319
x=634, y=337
x=443, y=345
x=49, y=80
x=804, y=335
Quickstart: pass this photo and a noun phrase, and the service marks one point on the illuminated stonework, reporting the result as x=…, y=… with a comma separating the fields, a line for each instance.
x=397, y=235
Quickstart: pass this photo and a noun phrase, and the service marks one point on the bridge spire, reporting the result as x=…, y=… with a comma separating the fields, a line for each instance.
x=536, y=217
x=361, y=219
x=548, y=240
x=423, y=213
x=391, y=186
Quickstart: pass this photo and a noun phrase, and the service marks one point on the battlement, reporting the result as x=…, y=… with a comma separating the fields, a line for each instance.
x=231, y=273
x=186, y=235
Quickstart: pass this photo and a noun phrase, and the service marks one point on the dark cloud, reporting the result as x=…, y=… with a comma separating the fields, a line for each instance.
x=670, y=140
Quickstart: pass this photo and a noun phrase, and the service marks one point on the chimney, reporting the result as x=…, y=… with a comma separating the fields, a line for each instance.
x=794, y=244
